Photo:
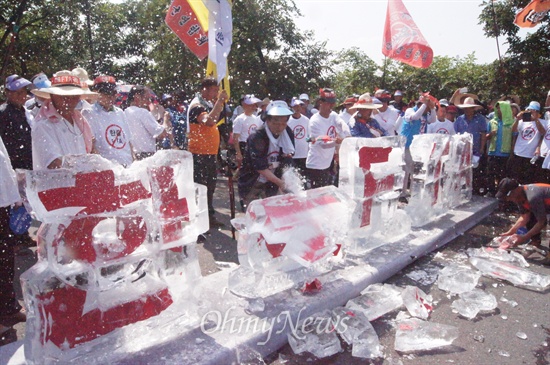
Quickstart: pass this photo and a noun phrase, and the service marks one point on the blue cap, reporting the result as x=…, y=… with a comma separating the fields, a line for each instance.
x=16, y=82
x=534, y=105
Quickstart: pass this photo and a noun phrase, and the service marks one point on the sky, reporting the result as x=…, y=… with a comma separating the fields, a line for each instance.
x=450, y=26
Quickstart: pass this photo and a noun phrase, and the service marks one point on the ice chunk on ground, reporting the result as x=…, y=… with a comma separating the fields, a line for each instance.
x=492, y=253
x=354, y=327
x=377, y=300
x=484, y=300
x=457, y=279
x=317, y=335
x=521, y=335
x=418, y=335
x=418, y=303
x=514, y=274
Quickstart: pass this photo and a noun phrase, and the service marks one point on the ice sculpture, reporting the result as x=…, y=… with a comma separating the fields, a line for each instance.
x=442, y=177
x=287, y=239
x=116, y=246
x=371, y=172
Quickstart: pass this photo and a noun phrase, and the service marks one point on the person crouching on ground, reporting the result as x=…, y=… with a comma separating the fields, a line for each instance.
x=533, y=201
x=267, y=151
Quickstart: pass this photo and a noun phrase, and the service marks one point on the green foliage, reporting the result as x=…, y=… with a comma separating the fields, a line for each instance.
x=270, y=56
x=525, y=69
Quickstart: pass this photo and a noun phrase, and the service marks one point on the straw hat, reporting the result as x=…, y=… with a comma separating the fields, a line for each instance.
x=65, y=85
x=82, y=74
x=365, y=102
x=460, y=98
x=469, y=102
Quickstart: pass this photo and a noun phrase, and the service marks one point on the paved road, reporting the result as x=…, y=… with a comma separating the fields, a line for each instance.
x=498, y=328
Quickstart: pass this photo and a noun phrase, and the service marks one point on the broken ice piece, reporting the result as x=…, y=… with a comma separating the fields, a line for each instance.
x=504, y=353
x=417, y=335
x=521, y=335
x=499, y=254
x=479, y=338
x=377, y=300
x=514, y=274
x=457, y=279
x=312, y=287
x=317, y=335
x=255, y=306
x=470, y=303
x=485, y=301
x=418, y=303
x=354, y=327
x=465, y=309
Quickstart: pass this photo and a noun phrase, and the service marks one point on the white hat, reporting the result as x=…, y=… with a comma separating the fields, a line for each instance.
x=65, y=85
x=366, y=102
x=444, y=102
x=469, y=102
x=295, y=101
x=304, y=97
x=251, y=99
x=278, y=108
x=82, y=75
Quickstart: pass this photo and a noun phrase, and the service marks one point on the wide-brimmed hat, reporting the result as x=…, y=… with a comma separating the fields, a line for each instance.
x=278, y=108
x=64, y=85
x=82, y=74
x=266, y=101
x=469, y=102
x=365, y=101
x=460, y=98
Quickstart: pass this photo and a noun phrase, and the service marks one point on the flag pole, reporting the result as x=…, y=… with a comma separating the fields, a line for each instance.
x=497, y=30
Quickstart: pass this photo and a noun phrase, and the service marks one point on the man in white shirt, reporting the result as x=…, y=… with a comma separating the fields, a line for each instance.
x=388, y=118
x=60, y=128
x=530, y=130
x=347, y=112
x=299, y=124
x=245, y=124
x=442, y=125
x=109, y=125
x=144, y=128
x=326, y=132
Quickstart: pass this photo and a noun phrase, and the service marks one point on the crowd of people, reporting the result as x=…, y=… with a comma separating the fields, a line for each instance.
x=45, y=119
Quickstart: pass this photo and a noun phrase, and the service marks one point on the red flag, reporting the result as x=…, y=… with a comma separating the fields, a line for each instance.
x=183, y=21
x=532, y=14
x=403, y=41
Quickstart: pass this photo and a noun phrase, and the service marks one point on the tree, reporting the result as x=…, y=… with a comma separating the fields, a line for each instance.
x=525, y=69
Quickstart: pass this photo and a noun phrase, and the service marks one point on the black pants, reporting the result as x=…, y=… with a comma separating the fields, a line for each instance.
x=318, y=178
x=496, y=171
x=521, y=169
x=205, y=173
x=8, y=302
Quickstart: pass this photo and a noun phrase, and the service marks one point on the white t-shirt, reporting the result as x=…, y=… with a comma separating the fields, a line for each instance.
x=9, y=192
x=445, y=127
x=144, y=129
x=387, y=120
x=528, y=138
x=320, y=154
x=346, y=116
x=245, y=125
x=300, y=128
x=111, y=132
x=55, y=138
